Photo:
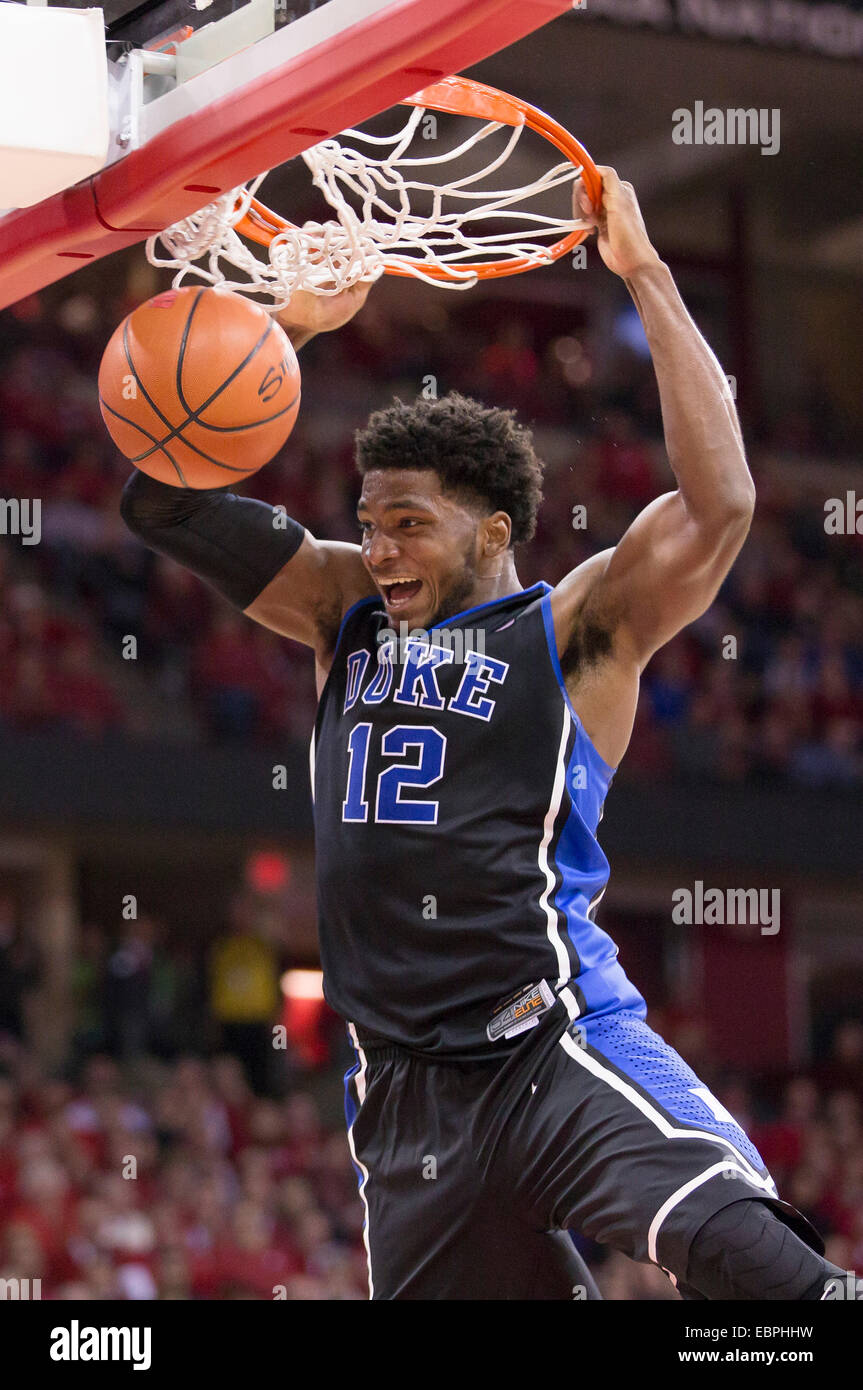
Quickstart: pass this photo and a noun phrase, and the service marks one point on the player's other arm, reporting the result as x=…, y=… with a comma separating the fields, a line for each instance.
x=261, y=561
x=669, y=565
x=256, y=557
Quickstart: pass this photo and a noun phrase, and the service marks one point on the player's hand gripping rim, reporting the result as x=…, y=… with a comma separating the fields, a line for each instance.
x=621, y=234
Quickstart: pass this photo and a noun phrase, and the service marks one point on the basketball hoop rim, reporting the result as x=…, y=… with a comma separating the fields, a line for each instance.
x=463, y=96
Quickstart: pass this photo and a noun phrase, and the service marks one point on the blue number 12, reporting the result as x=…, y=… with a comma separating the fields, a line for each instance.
x=390, y=807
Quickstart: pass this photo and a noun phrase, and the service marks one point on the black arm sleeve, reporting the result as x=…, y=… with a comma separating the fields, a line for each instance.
x=236, y=544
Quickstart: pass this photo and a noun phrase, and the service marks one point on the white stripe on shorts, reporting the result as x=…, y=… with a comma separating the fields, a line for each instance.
x=360, y=1081
x=738, y=1163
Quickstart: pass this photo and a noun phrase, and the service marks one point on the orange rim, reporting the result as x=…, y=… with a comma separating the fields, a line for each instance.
x=461, y=96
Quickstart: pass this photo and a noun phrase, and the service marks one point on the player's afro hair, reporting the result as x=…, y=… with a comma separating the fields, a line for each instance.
x=479, y=453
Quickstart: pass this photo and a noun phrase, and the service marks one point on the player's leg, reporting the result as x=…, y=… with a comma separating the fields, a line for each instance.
x=602, y=1127
x=431, y=1229
x=745, y=1251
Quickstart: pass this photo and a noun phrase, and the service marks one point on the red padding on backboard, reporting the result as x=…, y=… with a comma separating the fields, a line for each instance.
x=346, y=79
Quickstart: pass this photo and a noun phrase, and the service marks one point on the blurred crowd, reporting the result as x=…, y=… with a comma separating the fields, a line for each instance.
x=183, y=1185
x=147, y=989
x=768, y=685
x=176, y=1181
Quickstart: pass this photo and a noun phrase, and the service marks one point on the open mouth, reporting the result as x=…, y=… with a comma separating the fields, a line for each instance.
x=399, y=592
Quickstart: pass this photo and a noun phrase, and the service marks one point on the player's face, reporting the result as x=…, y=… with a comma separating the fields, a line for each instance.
x=418, y=544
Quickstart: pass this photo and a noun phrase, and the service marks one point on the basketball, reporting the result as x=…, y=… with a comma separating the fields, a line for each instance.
x=199, y=387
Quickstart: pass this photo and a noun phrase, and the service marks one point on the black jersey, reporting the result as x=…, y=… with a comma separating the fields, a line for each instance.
x=456, y=800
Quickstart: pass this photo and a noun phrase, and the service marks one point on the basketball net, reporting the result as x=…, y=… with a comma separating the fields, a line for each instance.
x=373, y=186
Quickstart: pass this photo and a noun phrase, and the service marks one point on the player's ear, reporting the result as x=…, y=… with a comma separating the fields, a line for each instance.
x=498, y=529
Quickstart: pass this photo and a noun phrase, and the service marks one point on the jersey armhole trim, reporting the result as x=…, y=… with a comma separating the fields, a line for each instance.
x=369, y=598
x=551, y=643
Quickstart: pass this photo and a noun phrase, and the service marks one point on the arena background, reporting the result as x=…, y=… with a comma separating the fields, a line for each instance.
x=157, y=912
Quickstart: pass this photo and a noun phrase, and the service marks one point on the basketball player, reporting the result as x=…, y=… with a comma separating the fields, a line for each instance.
x=506, y=1088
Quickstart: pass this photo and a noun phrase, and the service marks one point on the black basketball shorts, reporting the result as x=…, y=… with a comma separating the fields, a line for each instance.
x=472, y=1173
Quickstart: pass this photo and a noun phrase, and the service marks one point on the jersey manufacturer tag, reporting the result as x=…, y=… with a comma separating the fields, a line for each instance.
x=519, y=1012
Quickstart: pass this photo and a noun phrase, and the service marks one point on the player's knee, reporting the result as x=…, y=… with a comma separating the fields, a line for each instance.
x=746, y=1251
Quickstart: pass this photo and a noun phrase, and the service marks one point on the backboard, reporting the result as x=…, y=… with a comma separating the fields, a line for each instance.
x=206, y=96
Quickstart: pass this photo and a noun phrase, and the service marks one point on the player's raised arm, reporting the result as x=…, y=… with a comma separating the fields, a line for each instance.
x=669, y=565
x=265, y=563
